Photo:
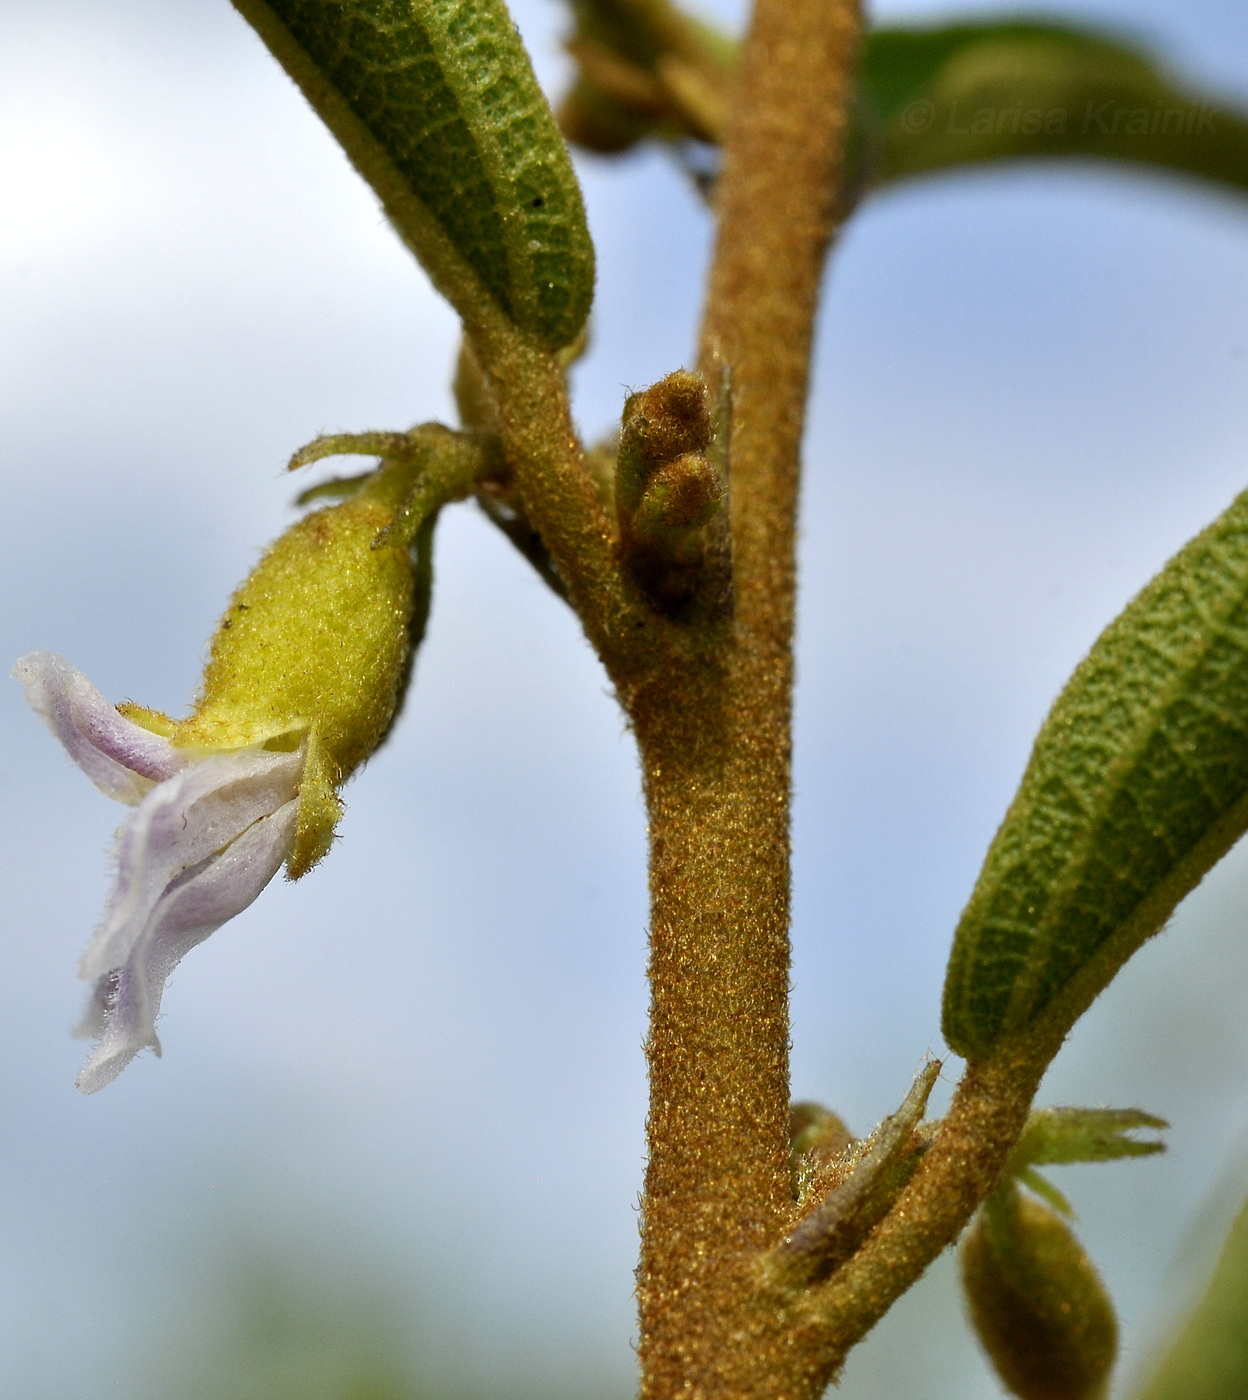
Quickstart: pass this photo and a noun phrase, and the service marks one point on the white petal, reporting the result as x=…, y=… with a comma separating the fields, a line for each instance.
x=181, y=822
x=121, y=759
x=124, y=1005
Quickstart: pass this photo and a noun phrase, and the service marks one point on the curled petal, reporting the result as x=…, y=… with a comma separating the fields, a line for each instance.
x=122, y=759
x=124, y=1004
x=180, y=823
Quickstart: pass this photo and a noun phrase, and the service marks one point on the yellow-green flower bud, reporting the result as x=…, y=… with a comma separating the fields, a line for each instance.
x=1037, y=1304
x=312, y=653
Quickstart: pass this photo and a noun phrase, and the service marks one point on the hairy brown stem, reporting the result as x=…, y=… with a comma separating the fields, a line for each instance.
x=542, y=447
x=776, y=204
x=717, y=1178
x=714, y=735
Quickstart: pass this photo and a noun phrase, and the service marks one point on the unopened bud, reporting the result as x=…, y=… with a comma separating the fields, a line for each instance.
x=817, y=1138
x=667, y=490
x=1037, y=1304
x=596, y=121
x=681, y=495
x=312, y=652
x=668, y=418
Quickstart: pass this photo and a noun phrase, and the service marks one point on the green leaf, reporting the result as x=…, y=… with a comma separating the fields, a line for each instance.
x=1058, y=1136
x=976, y=93
x=1208, y=1359
x=436, y=104
x=1137, y=785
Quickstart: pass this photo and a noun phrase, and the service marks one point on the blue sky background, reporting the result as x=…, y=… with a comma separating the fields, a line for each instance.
x=414, y=1081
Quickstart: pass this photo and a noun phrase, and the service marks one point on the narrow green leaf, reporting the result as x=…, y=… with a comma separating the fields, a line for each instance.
x=1044, y=1188
x=1057, y=1136
x=1137, y=785
x=878, y=1169
x=1208, y=1359
x=436, y=104
x=969, y=94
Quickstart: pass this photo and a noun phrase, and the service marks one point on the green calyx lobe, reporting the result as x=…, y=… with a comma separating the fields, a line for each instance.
x=441, y=93
x=1136, y=786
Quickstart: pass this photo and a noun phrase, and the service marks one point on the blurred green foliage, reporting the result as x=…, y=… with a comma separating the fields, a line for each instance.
x=269, y=1325
x=1005, y=90
x=1208, y=1359
x=931, y=98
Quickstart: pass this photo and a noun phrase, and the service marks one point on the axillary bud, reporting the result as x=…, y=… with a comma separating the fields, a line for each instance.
x=667, y=489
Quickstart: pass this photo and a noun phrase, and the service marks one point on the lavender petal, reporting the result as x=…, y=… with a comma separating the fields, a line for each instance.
x=122, y=759
x=125, y=1002
x=181, y=822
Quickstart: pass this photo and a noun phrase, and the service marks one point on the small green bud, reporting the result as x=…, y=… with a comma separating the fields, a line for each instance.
x=1059, y=1135
x=1037, y=1304
x=817, y=1137
x=661, y=422
x=682, y=495
x=312, y=651
x=598, y=121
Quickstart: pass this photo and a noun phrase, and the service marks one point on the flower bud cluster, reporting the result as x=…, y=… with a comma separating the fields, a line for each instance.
x=667, y=489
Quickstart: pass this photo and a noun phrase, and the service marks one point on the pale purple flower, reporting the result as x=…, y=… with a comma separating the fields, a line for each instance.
x=207, y=833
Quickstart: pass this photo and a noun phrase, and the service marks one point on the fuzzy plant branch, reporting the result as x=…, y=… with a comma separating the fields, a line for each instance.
x=1140, y=771
x=960, y=1167
x=715, y=747
x=541, y=447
